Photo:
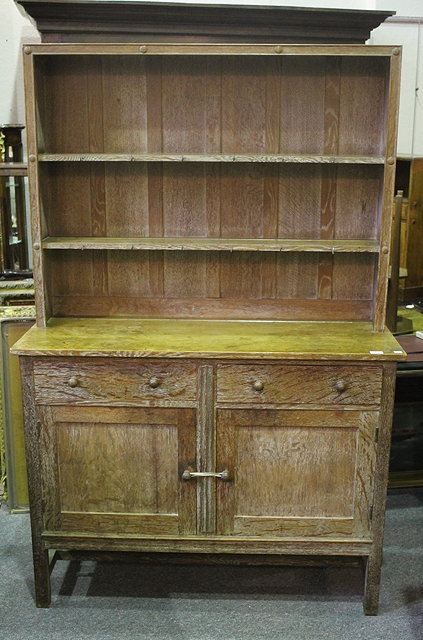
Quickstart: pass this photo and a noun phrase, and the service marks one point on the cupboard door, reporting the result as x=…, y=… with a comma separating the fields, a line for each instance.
x=295, y=472
x=117, y=470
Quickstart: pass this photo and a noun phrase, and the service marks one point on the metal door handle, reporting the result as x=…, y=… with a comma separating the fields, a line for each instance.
x=221, y=475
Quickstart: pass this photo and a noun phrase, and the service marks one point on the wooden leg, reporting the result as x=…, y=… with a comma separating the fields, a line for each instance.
x=42, y=578
x=374, y=561
x=32, y=435
x=372, y=584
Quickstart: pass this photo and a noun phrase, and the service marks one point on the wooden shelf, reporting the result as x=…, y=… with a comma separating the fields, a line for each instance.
x=211, y=157
x=212, y=244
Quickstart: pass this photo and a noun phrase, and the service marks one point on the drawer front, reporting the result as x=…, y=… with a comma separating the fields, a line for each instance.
x=296, y=384
x=76, y=380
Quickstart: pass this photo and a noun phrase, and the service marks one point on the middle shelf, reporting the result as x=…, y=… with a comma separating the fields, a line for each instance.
x=212, y=244
x=212, y=157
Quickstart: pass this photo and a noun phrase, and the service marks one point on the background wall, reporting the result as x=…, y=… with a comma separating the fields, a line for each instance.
x=15, y=29
x=406, y=28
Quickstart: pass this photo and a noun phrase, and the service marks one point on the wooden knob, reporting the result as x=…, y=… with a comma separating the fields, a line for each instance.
x=340, y=385
x=27, y=50
x=143, y=48
x=278, y=49
x=73, y=382
x=36, y=246
x=258, y=385
x=154, y=382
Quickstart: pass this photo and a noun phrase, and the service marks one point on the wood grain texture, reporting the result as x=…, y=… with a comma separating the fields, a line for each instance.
x=205, y=545
x=33, y=458
x=211, y=244
x=392, y=98
x=286, y=477
x=281, y=287
x=187, y=200
x=210, y=157
x=76, y=381
x=212, y=49
x=362, y=106
x=143, y=494
x=34, y=109
x=238, y=559
x=374, y=563
x=206, y=451
x=412, y=228
x=122, y=337
x=301, y=384
x=257, y=308
x=251, y=115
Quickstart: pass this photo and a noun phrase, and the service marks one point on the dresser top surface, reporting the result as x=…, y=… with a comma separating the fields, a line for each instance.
x=122, y=337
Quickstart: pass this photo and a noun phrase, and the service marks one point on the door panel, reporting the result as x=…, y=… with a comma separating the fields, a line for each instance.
x=118, y=469
x=296, y=472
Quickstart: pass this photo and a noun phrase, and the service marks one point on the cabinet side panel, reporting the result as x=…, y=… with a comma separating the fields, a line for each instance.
x=35, y=105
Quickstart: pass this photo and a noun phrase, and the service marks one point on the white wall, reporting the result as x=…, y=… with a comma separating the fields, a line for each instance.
x=14, y=29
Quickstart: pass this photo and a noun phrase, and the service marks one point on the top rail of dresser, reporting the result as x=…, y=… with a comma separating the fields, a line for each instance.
x=179, y=338
x=210, y=49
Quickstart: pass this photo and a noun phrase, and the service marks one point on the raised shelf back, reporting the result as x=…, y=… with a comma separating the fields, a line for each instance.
x=311, y=134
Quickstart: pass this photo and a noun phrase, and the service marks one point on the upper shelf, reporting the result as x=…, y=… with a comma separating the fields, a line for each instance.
x=212, y=244
x=210, y=157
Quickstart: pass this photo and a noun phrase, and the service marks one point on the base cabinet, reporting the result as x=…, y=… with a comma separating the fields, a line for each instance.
x=222, y=458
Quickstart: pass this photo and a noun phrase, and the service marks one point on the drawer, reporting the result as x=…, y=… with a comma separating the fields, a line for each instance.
x=334, y=385
x=77, y=380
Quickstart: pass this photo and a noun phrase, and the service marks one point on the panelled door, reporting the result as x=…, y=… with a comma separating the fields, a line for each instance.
x=118, y=469
x=295, y=472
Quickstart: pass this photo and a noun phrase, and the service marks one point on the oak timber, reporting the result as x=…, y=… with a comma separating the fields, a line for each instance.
x=161, y=157
x=212, y=244
x=120, y=337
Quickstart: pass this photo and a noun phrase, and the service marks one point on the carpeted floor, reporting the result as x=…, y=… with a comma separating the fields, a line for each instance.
x=151, y=602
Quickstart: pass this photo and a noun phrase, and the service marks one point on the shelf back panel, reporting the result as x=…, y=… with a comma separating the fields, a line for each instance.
x=212, y=104
x=211, y=200
x=242, y=285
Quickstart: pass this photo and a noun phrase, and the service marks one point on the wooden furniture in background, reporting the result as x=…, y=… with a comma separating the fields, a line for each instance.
x=406, y=464
x=12, y=460
x=409, y=178
x=13, y=220
x=394, y=274
x=211, y=371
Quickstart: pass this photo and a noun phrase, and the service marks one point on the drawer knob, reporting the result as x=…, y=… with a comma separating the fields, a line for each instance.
x=73, y=382
x=258, y=385
x=340, y=385
x=154, y=382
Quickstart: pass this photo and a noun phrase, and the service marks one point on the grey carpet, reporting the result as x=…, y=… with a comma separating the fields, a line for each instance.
x=150, y=602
